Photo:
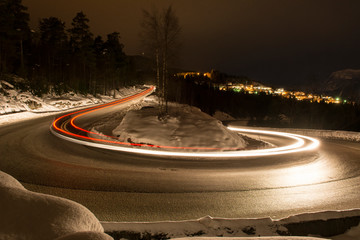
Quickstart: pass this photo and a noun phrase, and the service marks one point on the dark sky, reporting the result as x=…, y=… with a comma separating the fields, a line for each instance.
x=273, y=41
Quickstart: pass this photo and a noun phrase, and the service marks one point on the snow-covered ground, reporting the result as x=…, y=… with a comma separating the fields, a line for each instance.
x=250, y=238
x=16, y=105
x=330, y=134
x=183, y=127
x=29, y=215
x=338, y=225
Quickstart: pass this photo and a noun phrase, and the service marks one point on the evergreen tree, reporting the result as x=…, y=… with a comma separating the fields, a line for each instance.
x=110, y=62
x=14, y=36
x=98, y=81
x=115, y=59
x=53, y=51
x=81, y=48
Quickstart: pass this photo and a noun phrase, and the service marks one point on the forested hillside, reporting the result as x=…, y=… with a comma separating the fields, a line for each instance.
x=265, y=110
x=59, y=56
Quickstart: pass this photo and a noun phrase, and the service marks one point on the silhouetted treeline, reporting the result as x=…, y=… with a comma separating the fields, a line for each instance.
x=59, y=58
x=265, y=110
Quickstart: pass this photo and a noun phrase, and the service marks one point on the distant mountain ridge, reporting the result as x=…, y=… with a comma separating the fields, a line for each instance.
x=344, y=83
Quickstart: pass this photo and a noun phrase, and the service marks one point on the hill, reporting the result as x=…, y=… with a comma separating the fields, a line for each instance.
x=344, y=84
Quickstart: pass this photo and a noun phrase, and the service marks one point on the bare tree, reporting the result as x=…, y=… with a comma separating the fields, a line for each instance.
x=160, y=35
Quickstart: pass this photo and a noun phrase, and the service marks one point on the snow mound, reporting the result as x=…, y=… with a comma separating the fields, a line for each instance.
x=86, y=236
x=29, y=215
x=250, y=238
x=223, y=116
x=7, y=181
x=184, y=126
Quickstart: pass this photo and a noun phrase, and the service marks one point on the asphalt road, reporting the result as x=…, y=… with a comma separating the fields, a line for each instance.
x=127, y=187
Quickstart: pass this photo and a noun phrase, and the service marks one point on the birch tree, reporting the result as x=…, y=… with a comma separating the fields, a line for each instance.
x=160, y=35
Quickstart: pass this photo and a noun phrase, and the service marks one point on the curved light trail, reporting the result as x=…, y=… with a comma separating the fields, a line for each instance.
x=60, y=128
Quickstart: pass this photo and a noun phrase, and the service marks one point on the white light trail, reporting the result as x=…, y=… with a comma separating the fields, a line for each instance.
x=302, y=143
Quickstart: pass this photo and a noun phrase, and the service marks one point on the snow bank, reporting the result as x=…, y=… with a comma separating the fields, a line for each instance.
x=16, y=105
x=250, y=238
x=223, y=116
x=331, y=134
x=184, y=126
x=324, y=224
x=13, y=100
x=353, y=233
x=86, y=236
x=29, y=215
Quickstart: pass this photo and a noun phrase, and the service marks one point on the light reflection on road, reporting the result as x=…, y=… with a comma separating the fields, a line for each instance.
x=311, y=173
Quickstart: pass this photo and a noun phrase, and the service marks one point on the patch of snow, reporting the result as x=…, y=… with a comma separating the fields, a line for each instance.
x=18, y=117
x=250, y=238
x=184, y=126
x=4, y=84
x=7, y=181
x=331, y=134
x=222, y=116
x=351, y=234
x=266, y=228
x=206, y=226
x=326, y=215
x=29, y=215
x=86, y=236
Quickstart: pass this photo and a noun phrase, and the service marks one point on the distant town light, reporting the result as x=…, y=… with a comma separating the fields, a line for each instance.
x=251, y=89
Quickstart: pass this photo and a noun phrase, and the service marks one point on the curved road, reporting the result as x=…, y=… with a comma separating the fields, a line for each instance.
x=120, y=186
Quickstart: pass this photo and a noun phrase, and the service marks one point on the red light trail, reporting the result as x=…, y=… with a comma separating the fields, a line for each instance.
x=59, y=128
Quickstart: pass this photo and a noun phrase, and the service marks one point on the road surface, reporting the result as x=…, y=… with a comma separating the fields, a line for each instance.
x=120, y=186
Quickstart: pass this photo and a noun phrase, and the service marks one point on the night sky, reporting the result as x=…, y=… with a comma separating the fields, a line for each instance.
x=278, y=42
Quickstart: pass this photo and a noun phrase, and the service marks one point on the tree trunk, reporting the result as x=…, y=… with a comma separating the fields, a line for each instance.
x=158, y=74
x=164, y=83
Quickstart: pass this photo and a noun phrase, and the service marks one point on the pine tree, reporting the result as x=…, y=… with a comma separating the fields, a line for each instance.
x=98, y=81
x=14, y=36
x=53, y=48
x=115, y=59
x=81, y=48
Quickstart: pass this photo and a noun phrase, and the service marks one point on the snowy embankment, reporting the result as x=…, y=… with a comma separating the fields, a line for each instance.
x=338, y=225
x=330, y=134
x=16, y=105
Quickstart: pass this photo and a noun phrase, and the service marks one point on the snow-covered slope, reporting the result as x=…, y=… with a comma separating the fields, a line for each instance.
x=17, y=105
x=13, y=100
